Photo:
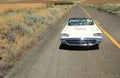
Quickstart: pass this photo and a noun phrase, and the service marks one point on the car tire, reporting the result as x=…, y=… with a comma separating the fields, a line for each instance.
x=62, y=46
x=96, y=46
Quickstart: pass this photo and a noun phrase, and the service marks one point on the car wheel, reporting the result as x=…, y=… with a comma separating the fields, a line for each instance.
x=62, y=46
x=96, y=46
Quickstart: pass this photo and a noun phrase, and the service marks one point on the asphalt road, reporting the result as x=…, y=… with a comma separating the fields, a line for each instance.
x=55, y=61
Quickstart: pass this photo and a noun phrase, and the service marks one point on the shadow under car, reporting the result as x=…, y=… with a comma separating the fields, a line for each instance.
x=66, y=47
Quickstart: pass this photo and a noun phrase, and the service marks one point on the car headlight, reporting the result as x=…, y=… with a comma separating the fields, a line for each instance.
x=65, y=35
x=97, y=34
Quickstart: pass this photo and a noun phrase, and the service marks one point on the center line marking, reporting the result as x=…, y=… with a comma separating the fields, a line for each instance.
x=104, y=31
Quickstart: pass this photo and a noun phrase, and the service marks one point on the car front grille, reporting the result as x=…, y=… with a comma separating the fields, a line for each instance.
x=77, y=42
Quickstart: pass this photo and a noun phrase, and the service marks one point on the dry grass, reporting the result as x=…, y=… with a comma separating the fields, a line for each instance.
x=4, y=7
x=14, y=25
x=21, y=40
x=109, y=8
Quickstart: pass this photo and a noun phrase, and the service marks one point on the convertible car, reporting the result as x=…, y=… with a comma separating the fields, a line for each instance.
x=81, y=32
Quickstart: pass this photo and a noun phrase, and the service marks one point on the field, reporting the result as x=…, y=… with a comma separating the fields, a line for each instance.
x=22, y=26
x=7, y=6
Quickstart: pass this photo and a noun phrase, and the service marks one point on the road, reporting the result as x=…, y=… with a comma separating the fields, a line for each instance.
x=54, y=61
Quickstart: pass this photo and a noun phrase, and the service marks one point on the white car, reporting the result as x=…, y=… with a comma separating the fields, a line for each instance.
x=81, y=32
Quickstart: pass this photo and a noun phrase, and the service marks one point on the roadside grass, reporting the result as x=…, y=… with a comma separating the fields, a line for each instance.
x=109, y=8
x=22, y=28
x=20, y=6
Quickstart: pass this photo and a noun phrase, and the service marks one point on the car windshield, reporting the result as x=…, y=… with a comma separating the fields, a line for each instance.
x=80, y=21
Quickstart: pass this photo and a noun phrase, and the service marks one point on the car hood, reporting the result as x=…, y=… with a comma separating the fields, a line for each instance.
x=79, y=31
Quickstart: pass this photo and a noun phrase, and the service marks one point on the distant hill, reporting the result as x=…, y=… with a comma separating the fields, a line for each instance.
x=101, y=1
x=22, y=1
x=3, y=1
x=31, y=1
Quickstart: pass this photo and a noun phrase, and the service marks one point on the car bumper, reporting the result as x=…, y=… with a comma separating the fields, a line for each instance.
x=81, y=41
